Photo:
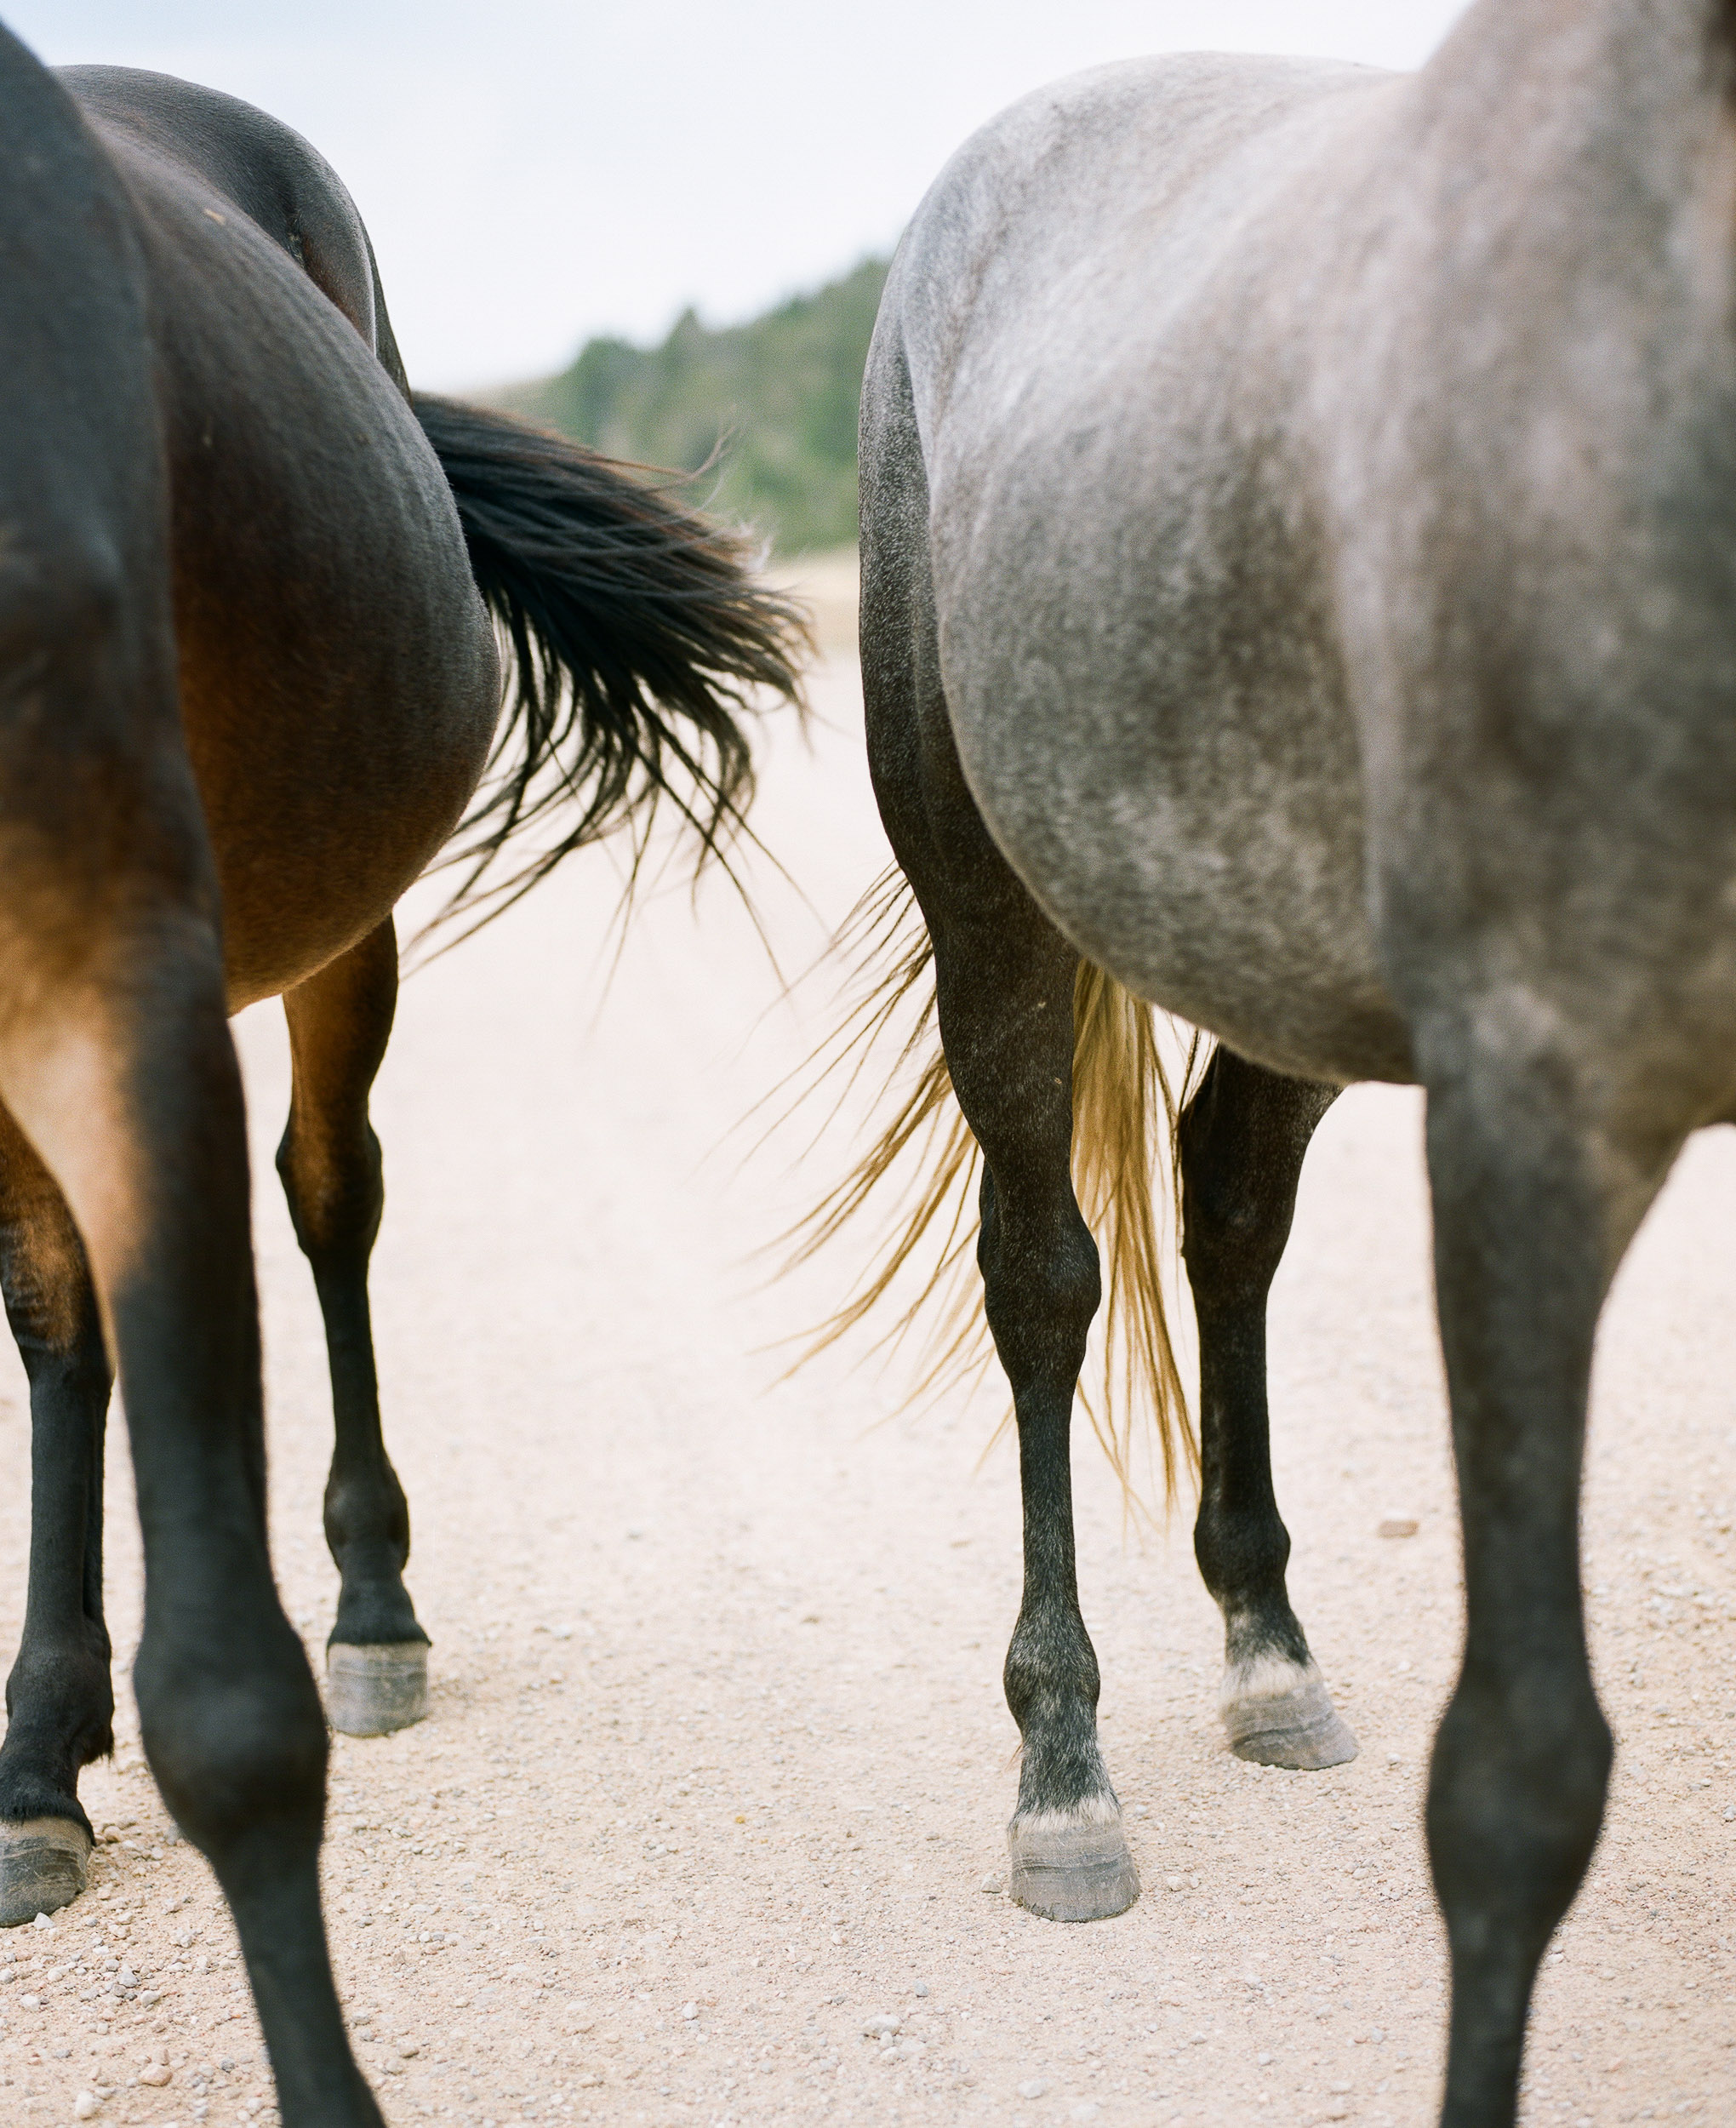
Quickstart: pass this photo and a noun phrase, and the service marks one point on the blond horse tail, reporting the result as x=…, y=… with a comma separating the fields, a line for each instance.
x=924, y=1161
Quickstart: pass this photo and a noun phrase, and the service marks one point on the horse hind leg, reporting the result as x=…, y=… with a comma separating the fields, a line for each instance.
x=116, y=1058
x=1241, y=1142
x=1004, y=984
x=1006, y=1022
x=340, y=1022
x=60, y=1695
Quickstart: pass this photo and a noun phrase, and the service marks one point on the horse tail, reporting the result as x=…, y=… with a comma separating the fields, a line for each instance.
x=637, y=635
x=1125, y=1108
x=1124, y=1125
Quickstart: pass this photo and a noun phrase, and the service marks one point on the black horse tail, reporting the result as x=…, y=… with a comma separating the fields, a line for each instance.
x=637, y=635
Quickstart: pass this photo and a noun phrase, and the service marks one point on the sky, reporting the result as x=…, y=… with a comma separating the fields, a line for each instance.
x=535, y=172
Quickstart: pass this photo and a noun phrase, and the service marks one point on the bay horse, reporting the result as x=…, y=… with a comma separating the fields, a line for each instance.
x=250, y=685
x=1298, y=515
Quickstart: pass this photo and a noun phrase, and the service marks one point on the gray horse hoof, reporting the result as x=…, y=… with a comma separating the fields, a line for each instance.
x=1069, y=1866
x=1281, y=1715
x=42, y=1867
x=371, y=1691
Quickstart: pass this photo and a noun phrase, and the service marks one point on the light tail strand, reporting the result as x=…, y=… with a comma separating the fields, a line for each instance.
x=924, y=1160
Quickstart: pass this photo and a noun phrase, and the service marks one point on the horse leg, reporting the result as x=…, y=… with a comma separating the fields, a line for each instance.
x=1004, y=982
x=60, y=1695
x=340, y=1022
x=116, y=1063
x=1241, y=1142
x=1005, y=987
x=1533, y=1208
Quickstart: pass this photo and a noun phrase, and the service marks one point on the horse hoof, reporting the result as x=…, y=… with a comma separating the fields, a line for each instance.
x=42, y=1867
x=1071, y=1865
x=1281, y=1715
x=371, y=1691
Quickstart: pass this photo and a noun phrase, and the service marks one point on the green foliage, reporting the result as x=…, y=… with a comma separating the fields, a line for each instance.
x=779, y=393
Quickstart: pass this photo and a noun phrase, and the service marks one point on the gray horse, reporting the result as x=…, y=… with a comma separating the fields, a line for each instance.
x=1300, y=523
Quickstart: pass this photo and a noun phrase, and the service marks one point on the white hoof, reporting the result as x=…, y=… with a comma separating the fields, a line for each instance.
x=1072, y=1865
x=370, y=1692
x=1280, y=1714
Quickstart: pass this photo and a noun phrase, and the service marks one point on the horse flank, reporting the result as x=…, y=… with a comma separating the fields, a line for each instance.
x=925, y=1161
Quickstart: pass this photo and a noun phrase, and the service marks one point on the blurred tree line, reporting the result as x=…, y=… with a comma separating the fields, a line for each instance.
x=778, y=394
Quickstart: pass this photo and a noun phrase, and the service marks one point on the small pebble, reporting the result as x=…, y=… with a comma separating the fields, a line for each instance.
x=921, y=1988
x=409, y=2049
x=1398, y=1526
x=991, y=1886
x=84, y=2106
x=1264, y=2060
x=690, y=2010
x=1088, y=2110
x=156, y=2072
x=880, y=2027
x=42, y=1921
x=1034, y=2089
x=1174, y=1883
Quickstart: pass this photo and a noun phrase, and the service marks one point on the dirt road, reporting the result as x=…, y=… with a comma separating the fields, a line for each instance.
x=704, y=1825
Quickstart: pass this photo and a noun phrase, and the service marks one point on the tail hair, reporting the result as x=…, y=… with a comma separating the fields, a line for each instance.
x=637, y=636
x=1125, y=1108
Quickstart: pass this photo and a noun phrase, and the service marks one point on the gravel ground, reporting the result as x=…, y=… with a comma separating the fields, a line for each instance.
x=706, y=1823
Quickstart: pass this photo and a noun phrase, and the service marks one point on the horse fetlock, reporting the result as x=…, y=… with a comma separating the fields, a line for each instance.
x=61, y=1698
x=1072, y=1864
x=372, y=1691
x=1277, y=1712
x=1243, y=1553
x=43, y=1866
x=39, y=1775
x=374, y=1607
x=366, y=1520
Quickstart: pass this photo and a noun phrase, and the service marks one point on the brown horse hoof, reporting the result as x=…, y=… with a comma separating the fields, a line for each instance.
x=1071, y=1865
x=371, y=1691
x=1279, y=1713
x=42, y=1867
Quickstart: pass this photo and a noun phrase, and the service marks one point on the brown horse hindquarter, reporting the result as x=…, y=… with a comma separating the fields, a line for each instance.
x=340, y=682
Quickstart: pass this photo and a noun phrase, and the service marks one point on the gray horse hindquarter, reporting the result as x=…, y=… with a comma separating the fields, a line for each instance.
x=1305, y=496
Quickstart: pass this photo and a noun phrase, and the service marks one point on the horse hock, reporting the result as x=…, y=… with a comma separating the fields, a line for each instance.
x=44, y=1865
x=371, y=1691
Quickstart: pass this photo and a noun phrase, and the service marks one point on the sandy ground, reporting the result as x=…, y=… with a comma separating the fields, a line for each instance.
x=717, y=1768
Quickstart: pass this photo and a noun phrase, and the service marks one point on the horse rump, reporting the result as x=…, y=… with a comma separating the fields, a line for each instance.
x=637, y=635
